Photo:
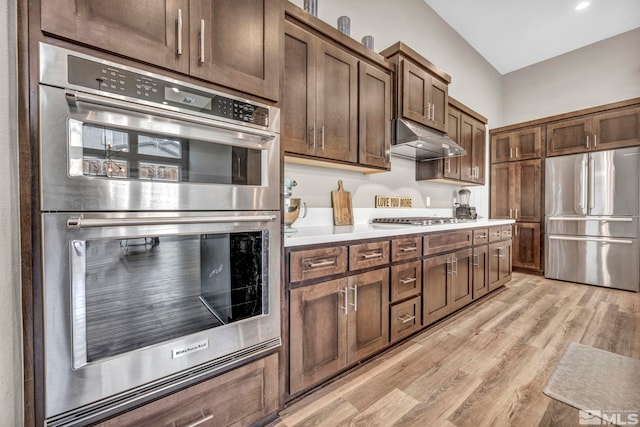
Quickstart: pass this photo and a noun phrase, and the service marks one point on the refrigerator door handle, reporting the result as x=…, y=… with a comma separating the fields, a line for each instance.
x=592, y=183
x=592, y=239
x=584, y=178
x=590, y=218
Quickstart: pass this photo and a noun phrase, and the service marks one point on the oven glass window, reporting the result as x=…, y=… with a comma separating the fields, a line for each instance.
x=144, y=291
x=126, y=154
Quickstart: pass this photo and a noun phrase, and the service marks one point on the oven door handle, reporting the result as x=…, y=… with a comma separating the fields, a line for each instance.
x=73, y=97
x=76, y=222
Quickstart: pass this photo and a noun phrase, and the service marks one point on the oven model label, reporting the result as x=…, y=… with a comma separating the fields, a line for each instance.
x=188, y=349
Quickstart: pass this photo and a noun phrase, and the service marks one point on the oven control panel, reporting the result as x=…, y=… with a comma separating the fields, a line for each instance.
x=120, y=81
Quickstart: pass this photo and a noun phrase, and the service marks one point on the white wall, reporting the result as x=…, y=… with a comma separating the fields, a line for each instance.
x=10, y=321
x=601, y=73
x=474, y=82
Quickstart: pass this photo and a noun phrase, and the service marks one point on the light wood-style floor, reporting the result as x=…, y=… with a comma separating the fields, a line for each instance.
x=485, y=366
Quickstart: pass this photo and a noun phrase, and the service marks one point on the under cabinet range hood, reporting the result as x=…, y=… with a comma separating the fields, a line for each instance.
x=414, y=141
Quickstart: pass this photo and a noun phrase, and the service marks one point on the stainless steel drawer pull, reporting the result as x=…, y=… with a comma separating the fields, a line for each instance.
x=202, y=41
x=323, y=263
x=372, y=255
x=496, y=234
x=408, y=248
x=179, y=31
x=354, y=288
x=408, y=280
x=345, y=307
x=202, y=420
x=406, y=318
x=76, y=222
x=476, y=262
x=481, y=236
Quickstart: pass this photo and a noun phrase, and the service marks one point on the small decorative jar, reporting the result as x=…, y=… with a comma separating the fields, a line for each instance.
x=311, y=6
x=344, y=25
x=368, y=42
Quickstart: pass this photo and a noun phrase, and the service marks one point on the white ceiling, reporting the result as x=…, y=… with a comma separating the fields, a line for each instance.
x=512, y=34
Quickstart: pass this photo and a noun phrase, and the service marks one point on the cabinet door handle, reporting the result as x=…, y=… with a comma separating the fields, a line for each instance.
x=595, y=141
x=433, y=111
x=322, y=131
x=405, y=318
x=345, y=307
x=314, y=137
x=408, y=280
x=408, y=248
x=448, y=165
x=179, y=23
x=500, y=254
x=355, y=297
x=427, y=107
x=510, y=214
x=322, y=263
x=202, y=420
x=202, y=41
x=516, y=229
x=516, y=213
x=372, y=255
x=587, y=141
x=476, y=264
x=516, y=152
x=511, y=153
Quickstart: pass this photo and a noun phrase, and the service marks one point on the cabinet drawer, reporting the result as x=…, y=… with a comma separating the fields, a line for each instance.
x=406, y=248
x=406, y=280
x=214, y=402
x=368, y=255
x=316, y=263
x=446, y=241
x=405, y=318
x=506, y=232
x=480, y=236
x=495, y=234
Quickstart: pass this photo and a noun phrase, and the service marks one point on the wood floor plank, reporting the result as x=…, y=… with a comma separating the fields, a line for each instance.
x=485, y=366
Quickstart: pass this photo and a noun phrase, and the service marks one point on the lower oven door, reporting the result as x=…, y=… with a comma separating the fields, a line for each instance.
x=137, y=304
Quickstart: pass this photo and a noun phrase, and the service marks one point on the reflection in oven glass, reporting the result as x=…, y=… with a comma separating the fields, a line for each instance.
x=105, y=167
x=159, y=172
x=158, y=146
x=148, y=290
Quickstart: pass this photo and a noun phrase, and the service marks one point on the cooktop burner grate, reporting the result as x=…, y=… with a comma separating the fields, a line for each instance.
x=422, y=220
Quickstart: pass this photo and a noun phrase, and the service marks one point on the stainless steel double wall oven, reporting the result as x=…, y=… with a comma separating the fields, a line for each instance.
x=160, y=233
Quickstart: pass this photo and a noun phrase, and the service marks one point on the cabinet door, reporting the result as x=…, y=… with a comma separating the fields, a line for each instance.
x=298, y=102
x=406, y=280
x=528, y=190
x=466, y=142
x=368, y=329
x=501, y=147
x=526, y=245
x=416, y=85
x=506, y=261
x=336, y=104
x=479, y=147
x=569, y=136
x=215, y=400
x=527, y=144
x=236, y=43
x=439, y=100
x=374, y=111
x=405, y=318
x=452, y=164
x=318, y=332
x=617, y=129
x=461, y=279
x=480, y=271
x=147, y=30
x=502, y=191
x=436, y=289
x=495, y=253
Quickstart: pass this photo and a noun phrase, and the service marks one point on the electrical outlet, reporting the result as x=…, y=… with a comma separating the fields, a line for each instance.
x=427, y=201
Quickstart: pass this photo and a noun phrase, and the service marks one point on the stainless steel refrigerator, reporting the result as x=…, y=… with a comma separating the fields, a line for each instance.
x=592, y=209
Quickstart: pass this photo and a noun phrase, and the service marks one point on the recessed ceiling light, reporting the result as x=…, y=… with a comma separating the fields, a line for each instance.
x=582, y=5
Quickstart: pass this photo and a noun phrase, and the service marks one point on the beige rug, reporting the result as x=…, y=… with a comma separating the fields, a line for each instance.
x=597, y=382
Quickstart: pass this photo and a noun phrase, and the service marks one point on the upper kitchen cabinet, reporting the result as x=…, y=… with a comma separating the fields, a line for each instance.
x=467, y=128
x=516, y=191
x=336, y=104
x=523, y=144
x=232, y=43
x=422, y=89
x=602, y=131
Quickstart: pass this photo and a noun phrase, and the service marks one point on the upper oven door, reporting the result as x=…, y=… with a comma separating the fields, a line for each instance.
x=104, y=154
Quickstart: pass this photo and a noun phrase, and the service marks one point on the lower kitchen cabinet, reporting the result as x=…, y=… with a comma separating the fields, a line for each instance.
x=436, y=289
x=461, y=279
x=527, y=245
x=500, y=254
x=336, y=323
x=480, y=271
x=405, y=318
x=240, y=397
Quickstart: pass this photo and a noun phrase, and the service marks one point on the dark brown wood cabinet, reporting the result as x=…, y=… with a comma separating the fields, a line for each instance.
x=516, y=190
x=468, y=129
x=527, y=244
x=436, y=289
x=601, y=131
x=522, y=144
x=374, y=116
x=422, y=90
x=336, y=323
x=461, y=279
x=319, y=106
x=231, y=43
x=405, y=318
x=214, y=402
x=500, y=266
x=480, y=265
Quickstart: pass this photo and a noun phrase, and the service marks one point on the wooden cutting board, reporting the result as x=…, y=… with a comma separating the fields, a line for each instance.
x=342, y=209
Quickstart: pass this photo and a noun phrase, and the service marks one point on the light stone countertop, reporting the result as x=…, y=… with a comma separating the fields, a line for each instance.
x=329, y=234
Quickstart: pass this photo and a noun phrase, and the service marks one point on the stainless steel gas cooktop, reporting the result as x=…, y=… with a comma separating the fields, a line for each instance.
x=422, y=220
